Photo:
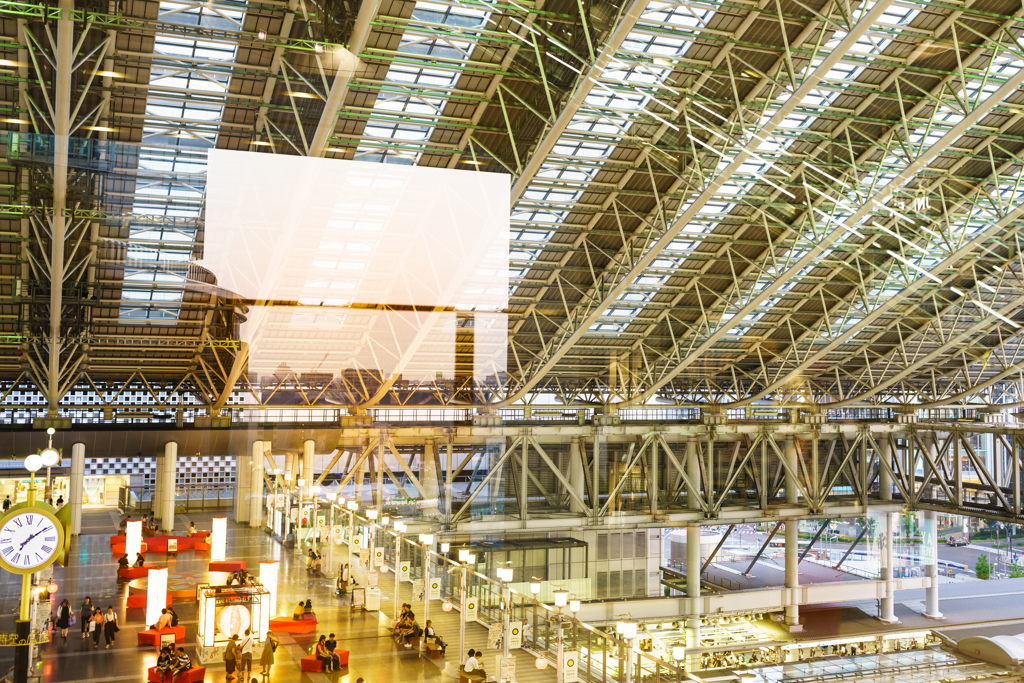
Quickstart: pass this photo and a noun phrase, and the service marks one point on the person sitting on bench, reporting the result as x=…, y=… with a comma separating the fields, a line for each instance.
x=183, y=663
x=166, y=661
x=297, y=614
x=140, y=560
x=432, y=638
x=323, y=654
x=123, y=563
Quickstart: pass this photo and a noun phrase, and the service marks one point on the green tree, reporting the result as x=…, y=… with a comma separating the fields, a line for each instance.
x=1016, y=571
x=982, y=568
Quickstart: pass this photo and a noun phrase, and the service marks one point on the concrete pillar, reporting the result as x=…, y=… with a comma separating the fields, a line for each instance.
x=789, y=452
x=308, y=455
x=693, y=548
x=243, y=482
x=884, y=478
x=792, y=573
x=653, y=478
x=428, y=480
x=577, y=478
x=289, y=487
x=158, y=483
x=77, y=487
x=693, y=473
x=256, y=485
x=930, y=549
x=888, y=602
x=170, y=472
x=693, y=585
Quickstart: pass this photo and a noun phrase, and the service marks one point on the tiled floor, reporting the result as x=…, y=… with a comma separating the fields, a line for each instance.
x=373, y=655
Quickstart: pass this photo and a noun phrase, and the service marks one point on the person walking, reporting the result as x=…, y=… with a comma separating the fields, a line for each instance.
x=109, y=625
x=85, y=614
x=64, y=618
x=96, y=628
x=231, y=657
x=245, y=646
x=269, y=648
x=7, y=503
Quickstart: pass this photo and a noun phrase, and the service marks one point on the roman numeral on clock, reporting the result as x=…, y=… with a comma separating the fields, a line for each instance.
x=29, y=518
x=18, y=522
x=7, y=551
x=16, y=559
x=47, y=549
x=51, y=539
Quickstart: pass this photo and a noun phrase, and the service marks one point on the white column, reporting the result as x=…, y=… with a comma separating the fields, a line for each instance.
x=243, y=478
x=308, y=447
x=888, y=602
x=256, y=486
x=577, y=478
x=792, y=573
x=693, y=548
x=789, y=452
x=931, y=549
x=888, y=521
x=428, y=479
x=158, y=482
x=77, y=488
x=693, y=585
x=170, y=471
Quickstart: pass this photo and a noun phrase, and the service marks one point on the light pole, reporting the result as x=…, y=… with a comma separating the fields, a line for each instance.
x=399, y=529
x=275, y=501
x=299, y=484
x=465, y=558
x=505, y=576
x=371, y=515
x=627, y=631
x=331, y=497
x=352, y=507
x=428, y=542
x=561, y=599
x=50, y=457
x=287, y=504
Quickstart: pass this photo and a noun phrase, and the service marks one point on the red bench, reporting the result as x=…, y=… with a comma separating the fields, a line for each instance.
x=310, y=663
x=140, y=600
x=229, y=566
x=135, y=572
x=152, y=636
x=289, y=625
x=202, y=546
x=194, y=675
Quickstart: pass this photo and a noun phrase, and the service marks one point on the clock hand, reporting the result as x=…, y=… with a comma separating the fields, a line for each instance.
x=29, y=539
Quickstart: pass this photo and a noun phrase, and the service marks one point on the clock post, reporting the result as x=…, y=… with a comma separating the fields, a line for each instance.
x=22, y=627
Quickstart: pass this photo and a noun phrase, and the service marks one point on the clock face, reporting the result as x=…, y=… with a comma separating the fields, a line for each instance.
x=29, y=540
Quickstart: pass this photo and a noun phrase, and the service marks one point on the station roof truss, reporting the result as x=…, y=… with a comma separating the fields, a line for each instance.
x=715, y=203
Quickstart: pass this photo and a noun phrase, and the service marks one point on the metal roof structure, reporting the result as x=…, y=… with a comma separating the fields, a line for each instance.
x=715, y=204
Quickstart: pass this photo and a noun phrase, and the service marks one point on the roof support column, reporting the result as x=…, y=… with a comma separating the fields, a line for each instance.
x=61, y=130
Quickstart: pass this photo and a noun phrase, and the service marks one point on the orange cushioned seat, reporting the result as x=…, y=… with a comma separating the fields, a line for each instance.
x=151, y=636
x=289, y=625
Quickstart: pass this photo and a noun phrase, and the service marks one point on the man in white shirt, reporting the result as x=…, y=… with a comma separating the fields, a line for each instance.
x=245, y=647
x=471, y=663
x=164, y=621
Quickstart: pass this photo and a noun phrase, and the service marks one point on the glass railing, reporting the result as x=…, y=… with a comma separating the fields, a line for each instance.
x=187, y=498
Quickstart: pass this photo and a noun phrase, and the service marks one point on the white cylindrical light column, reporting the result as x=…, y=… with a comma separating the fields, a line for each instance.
x=77, y=487
x=256, y=486
x=133, y=540
x=170, y=489
x=156, y=594
x=219, y=539
x=268, y=578
x=243, y=478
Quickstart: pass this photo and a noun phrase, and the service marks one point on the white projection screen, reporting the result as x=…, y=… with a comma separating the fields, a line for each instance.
x=352, y=266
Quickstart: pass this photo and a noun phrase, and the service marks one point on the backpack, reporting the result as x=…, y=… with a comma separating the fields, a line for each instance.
x=174, y=618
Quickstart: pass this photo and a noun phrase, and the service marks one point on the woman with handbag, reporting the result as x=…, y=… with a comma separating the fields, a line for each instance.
x=96, y=627
x=109, y=625
x=64, y=619
x=269, y=648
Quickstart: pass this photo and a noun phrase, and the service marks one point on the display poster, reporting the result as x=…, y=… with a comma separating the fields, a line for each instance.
x=417, y=590
x=506, y=669
x=494, y=635
x=435, y=589
x=364, y=557
x=470, y=609
x=371, y=579
x=358, y=597
x=403, y=570
x=378, y=557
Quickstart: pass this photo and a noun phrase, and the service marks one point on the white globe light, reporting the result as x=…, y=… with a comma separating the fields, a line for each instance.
x=50, y=457
x=384, y=568
x=33, y=462
x=542, y=663
x=447, y=605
